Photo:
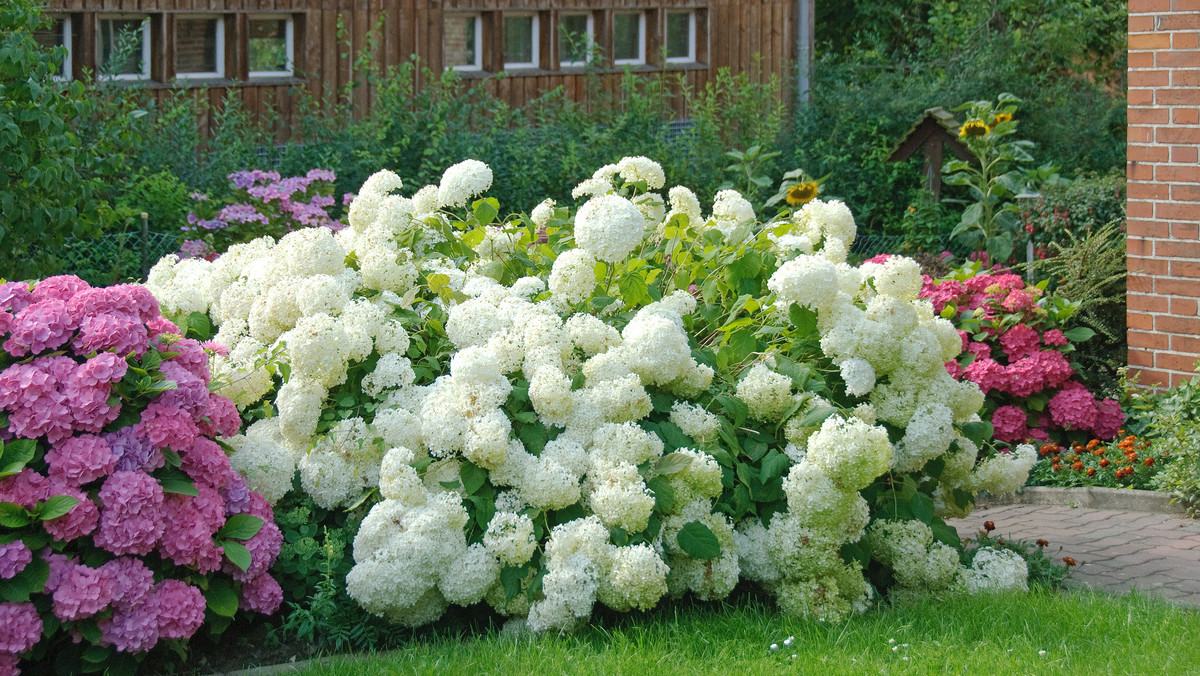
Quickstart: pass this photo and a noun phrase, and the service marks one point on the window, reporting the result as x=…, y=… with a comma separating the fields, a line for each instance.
x=575, y=39
x=629, y=38
x=270, y=48
x=681, y=37
x=462, y=42
x=520, y=41
x=57, y=34
x=124, y=47
x=200, y=47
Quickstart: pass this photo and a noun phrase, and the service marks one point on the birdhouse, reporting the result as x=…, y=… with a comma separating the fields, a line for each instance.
x=932, y=133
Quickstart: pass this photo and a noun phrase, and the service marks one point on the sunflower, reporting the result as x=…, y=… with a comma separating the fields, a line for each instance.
x=802, y=193
x=973, y=128
x=1003, y=117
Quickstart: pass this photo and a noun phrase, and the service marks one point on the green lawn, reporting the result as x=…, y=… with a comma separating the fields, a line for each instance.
x=1040, y=632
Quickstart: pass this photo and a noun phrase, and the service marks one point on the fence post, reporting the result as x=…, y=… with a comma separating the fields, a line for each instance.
x=145, y=248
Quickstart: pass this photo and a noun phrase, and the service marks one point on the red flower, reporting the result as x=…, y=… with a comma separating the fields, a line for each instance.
x=989, y=526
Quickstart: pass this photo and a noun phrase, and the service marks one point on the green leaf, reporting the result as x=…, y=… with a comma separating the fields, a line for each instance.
x=804, y=319
x=664, y=494
x=1079, y=334
x=817, y=415
x=698, y=542
x=450, y=485
x=485, y=209
x=773, y=466
x=237, y=553
x=633, y=289
x=13, y=515
x=473, y=477
x=735, y=407
x=199, y=326
x=922, y=507
x=221, y=597
x=179, y=483
x=945, y=534
x=55, y=507
x=755, y=449
x=978, y=432
x=240, y=527
x=672, y=463
x=15, y=455
x=31, y=580
x=510, y=578
x=172, y=458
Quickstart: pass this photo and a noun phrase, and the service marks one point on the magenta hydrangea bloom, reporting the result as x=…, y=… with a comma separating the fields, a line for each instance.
x=25, y=488
x=181, y=609
x=262, y=595
x=20, y=627
x=9, y=664
x=133, y=629
x=1109, y=419
x=1056, y=370
x=80, y=460
x=264, y=549
x=119, y=333
x=60, y=287
x=133, y=582
x=1019, y=341
x=191, y=522
x=1073, y=407
x=61, y=565
x=167, y=427
x=104, y=368
x=15, y=296
x=133, y=300
x=1053, y=338
x=1024, y=377
x=14, y=556
x=220, y=418
x=40, y=327
x=133, y=451
x=190, y=393
x=987, y=374
x=206, y=462
x=81, y=520
x=1010, y=424
x=161, y=326
x=131, y=520
x=84, y=592
x=192, y=357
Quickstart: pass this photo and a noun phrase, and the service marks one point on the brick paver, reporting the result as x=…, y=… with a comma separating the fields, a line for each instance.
x=1116, y=551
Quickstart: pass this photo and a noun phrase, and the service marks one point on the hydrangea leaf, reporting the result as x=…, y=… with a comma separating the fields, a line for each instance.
x=473, y=477
x=13, y=515
x=220, y=596
x=773, y=466
x=978, y=432
x=237, y=553
x=240, y=527
x=698, y=541
x=672, y=463
x=1079, y=334
x=55, y=506
x=15, y=455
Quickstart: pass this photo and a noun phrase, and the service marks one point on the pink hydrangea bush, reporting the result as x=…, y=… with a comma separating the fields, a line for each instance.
x=122, y=523
x=1016, y=351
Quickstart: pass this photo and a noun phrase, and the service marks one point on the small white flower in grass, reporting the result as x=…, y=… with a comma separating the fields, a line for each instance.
x=463, y=181
x=774, y=646
x=788, y=641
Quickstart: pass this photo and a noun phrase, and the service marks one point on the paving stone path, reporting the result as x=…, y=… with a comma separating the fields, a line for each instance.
x=1115, y=550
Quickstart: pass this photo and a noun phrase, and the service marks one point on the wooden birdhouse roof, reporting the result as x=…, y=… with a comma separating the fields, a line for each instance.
x=936, y=125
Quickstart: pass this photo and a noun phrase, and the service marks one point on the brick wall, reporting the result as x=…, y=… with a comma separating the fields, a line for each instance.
x=1164, y=189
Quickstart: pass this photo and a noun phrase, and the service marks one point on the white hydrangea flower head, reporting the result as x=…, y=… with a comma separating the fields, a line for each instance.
x=695, y=422
x=361, y=320
x=469, y=576
x=834, y=250
x=814, y=501
x=568, y=453
x=610, y=227
x=927, y=435
x=398, y=479
x=851, y=452
x=731, y=210
x=365, y=207
x=542, y=213
x=310, y=251
x=299, y=402
x=693, y=382
x=808, y=281
x=318, y=350
x=835, y=220
x=768, y=394
x=547, y=485
x=619, y=497
x=573, y=276
x=570, y=592
x=652, y=207
x=711, y=579
x=655, y=348
x=395, y=216
x=701, y=479
x=620, y=399
x=528, y=287
x=462, y=182
x=858, y=375
x=638, y=168
x=264, y=462
x=510, y=539
x=1004, y=473
x=487, y=439
x=614, y=444
x=321, y=294
x=997, y=570
x=754, y=557
x=684, y=202
x=591, y=334
x=637, y=578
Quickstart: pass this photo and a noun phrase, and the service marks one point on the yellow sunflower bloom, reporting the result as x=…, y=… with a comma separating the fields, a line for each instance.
x=802, y=193
x=973, y=128
x=1003, y=117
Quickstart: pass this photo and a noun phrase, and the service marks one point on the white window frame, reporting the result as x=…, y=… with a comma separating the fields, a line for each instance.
x=478, y=64
x=590, y=38
x=146, y=50
x=289, y=33
x=641, y=59
x=534, y=36
x=691, y=56
x=220, y=72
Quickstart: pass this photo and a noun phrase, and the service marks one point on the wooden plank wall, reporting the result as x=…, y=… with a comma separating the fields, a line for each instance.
x=755, y=36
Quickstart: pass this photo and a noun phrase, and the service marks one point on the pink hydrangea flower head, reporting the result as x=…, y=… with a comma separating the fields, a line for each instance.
x=84, y=592
x=40, y=327
x=987, y=374
x=181, y=609
x=1073, y=407
x=190, y=393
x=105, y=368
x=134, y=452
x=10, y=664
x=131, y=520
x=220, y=417
x=1054, y=338
x=132, y=629
x=167, y=427
x=80, y=460
x=25, y=488
x=1010, y=424
x=262, y=595
x=1025, y=377
x=14, y=556
x=235, y=493
x=1017, y=300
x=133, y=582
x=264, y=549
x=1019, y=341
x=15, y=296
x=954, y=370
x=192, y=357
x=190, y=525
x=1056, y=370
x=162, y=326
x=206, y=462
x=20, y=627
x=81, y=520
x=1109, y=419
x=120, y=333
x=60, y=287
x=133, y=300
x=980, y=349
x=61, y=565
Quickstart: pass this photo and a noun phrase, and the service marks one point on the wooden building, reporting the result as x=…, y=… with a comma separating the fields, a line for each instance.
x=264, y=48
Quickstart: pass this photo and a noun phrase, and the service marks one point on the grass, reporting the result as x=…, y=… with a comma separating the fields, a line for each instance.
x=1041, y=632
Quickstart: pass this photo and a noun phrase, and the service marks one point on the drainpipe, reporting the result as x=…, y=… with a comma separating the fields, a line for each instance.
x=804, y=44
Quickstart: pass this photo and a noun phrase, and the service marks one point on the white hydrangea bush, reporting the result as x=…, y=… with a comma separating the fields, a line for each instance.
x=609, y=403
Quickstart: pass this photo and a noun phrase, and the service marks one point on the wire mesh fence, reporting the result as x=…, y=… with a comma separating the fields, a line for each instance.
x=114, y=258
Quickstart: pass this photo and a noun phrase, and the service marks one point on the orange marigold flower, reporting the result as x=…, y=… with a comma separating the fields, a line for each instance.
x=1042, y=543
x=1091, y=471
x=1091, y=445
x=1148, y=462
x=1069, y=561
x=1077, y=466
x=1055, y=467
x=1104, y=462
x=989, y=526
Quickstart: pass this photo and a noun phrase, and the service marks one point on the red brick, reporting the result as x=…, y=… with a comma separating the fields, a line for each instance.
x=1180, y=59
x=1149, y=115
x=1149, y=340
x=1140, y=97
x=1141, y=60
x=1186, y=325
x=1145, y=266
x=1185, y=77
x=1177, y=97
x=1148, y=377
x=1138, y=283
x=1176, y=212
x=1140, y=357
x=1140, y=171
x=1184, y=153
x=1177, y=174
x=1145, y=227
x=1185, y=40
x=1178, y=379
x=1146, y=153
x=1184, y=363
x=1184, y=135
x=1147, y=6
x=1135, y=246
x=1189, y=344
x=1185, y=193
x=1147, y=303
x=1149, y=78
x=1183, y=307
x=1185, y=5
x=1176, y=22
x=1172, y=249
x=1148, y=191
x=1140, y=42
x=1139, y=209
x=1185, y=269
x=1185, y=231
x=1137, y=320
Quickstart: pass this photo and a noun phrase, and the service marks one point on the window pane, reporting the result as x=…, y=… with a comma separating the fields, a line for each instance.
x=627, y=37
x=50, y=37
x=121, y=46
x=268, y=46
x=679, y=35
x=573, y=38
x=196, y=46
x=458, y=41
x=518, y=39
